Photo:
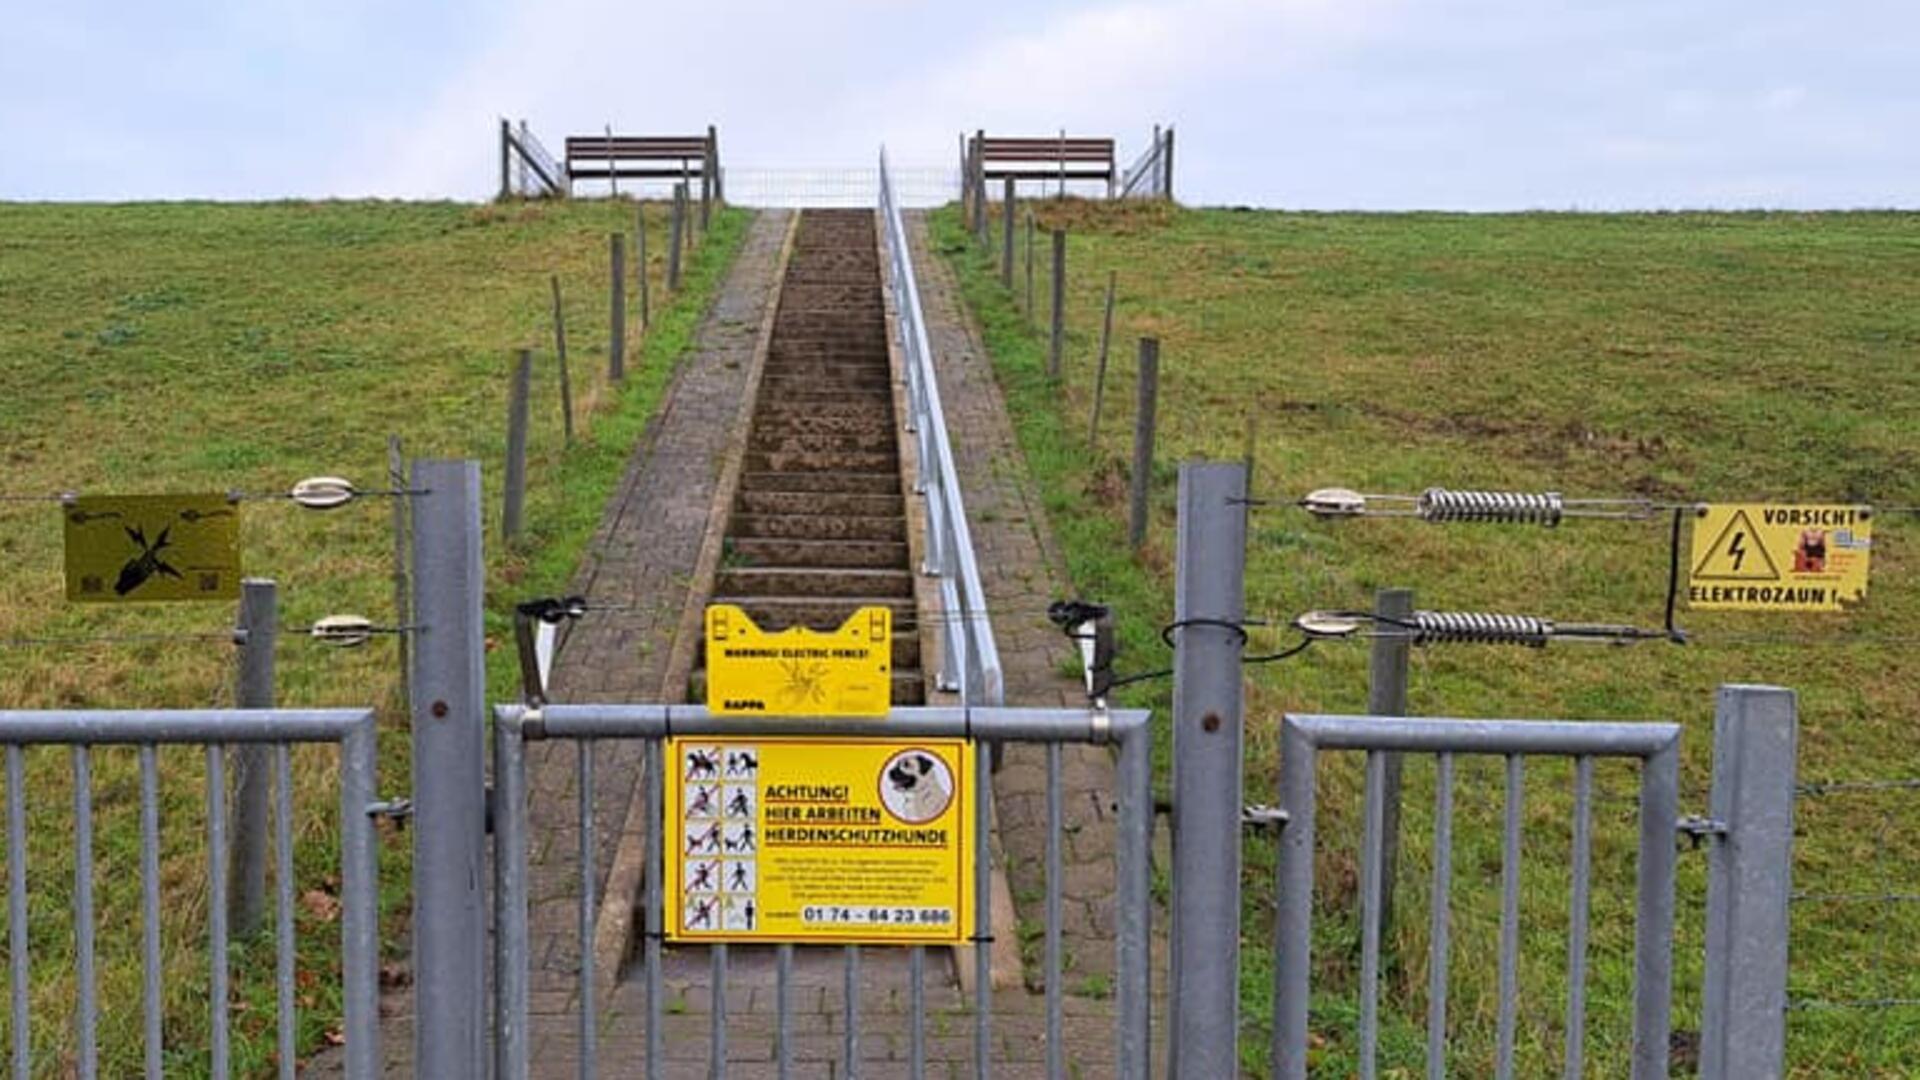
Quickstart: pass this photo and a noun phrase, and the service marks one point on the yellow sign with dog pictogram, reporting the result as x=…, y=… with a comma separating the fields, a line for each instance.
x=800, y=839
x=133, y=548
x=1780, y=557
x=797, y=671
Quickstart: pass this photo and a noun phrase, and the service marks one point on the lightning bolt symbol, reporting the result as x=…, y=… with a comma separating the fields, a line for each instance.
x=1738, y=552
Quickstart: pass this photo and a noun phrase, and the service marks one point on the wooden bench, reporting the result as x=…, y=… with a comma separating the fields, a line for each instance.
x=1045, y=158
x=645, y=157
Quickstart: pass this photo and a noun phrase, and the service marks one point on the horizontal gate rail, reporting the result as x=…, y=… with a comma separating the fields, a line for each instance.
x=84, y=731
x=1655, y=744
x=514, y=726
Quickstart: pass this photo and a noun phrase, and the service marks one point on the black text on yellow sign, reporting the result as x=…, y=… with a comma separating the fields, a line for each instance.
x=828, y=840
x=799, y=672
x=1780, y=557
x=134, y=548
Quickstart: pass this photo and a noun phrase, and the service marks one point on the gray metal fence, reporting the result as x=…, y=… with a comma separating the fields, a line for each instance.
x=515, y=726
x=145, y=731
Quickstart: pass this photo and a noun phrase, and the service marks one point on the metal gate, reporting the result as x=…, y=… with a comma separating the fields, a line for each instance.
x=515, y=726
x=146, y=730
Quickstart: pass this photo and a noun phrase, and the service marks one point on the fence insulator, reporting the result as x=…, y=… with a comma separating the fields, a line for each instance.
x=343, y=631
x=324, y=492
x=1334, y=502
x=1331, y=624
x=1511, y=507
x=1480, y=628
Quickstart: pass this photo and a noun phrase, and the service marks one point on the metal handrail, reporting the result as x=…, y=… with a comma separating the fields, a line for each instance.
x=970, y=660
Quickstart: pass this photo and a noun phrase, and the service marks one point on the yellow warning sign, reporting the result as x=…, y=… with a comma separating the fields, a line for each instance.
x=797, y=671
x=132, y=548
x=809, y=839
x=1780, y=557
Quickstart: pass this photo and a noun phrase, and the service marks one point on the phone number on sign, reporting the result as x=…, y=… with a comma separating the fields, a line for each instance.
x=828, y=915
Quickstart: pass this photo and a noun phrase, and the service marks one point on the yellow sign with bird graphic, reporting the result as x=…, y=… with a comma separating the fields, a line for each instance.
x=135, y=548
x=797, y=671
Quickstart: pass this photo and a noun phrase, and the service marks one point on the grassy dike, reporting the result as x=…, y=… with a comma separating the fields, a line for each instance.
x=215, y=347
x=1675, y=356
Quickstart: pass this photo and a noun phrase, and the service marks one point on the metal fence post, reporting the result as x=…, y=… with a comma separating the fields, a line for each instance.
x=1749, y=881
x=515, y=484
x=402, y=604
x=449, y=696
x=640, y=262
x=1100, y=367
x=506, y=170
x=1006, y=235
x=979, y=181
x=679, y=227
x=617, y=307
x=1209, y=607
x=1387, y=696
x=253, y=762
x=1166, y=164
x=1143, y=420
x=1057, y=341
x=560, y=350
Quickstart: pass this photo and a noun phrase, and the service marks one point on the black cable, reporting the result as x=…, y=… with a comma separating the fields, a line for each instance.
x=1306, y=641
x=1674, y=634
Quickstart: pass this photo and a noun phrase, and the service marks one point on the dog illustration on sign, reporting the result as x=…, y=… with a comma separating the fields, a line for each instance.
x=1810, y=555
x=916, y=786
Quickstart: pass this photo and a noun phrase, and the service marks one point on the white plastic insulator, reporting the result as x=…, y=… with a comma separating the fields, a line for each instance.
x=1328, y=624
x=343, y=631
x=1334, y=502
x=324, y=492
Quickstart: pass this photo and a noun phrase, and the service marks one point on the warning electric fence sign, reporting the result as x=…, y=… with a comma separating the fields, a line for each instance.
x=798, y=671
x=132, y=548
x=1780, y=557
x=820, y=840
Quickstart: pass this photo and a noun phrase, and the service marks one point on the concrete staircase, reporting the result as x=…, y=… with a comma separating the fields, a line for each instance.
x=818, y=526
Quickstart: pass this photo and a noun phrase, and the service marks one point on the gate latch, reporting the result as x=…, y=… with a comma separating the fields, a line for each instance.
x=1263, y=818
x=1699, y=829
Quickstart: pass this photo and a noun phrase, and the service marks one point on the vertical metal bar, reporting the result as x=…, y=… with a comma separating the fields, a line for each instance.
x=1653, y=916
x=1133, y=897
x=1209, y=605
x=1370, y=915
x=1100, y=367
x=1749, y=882
x=402, y=606
x=1582, y=859
x=449, y=695
x=87, y=1014
x=217, y=909
x=247, y=863
x=717, y=976
x=1293, y=921
x=510, y=962
x=19, y=970
x=982, y=912
x=1439, y=915
x=284, y=957
x=783, y=1010
x=617, y=306
x=653, y=916
x=640, y=262
x=850, y=1048
x=360, y=891
x=1387, y=696
x=151, y=1009
x=506, y=172
x=1031, y=313
x=1143, y=424
x=560, y=354
x=1057, y=338
x=1056, y=1050
x=1166, y=163
x=1510, y=917
x=589, y=1013
x=980, y=185
x=675, y=233
x=1006, y=235
x=917, y=1012
x=514, y=488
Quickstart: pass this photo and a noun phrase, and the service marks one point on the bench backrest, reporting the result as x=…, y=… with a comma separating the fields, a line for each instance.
x=1045, y=157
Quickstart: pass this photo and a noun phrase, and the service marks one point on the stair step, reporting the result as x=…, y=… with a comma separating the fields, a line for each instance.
x=789, y=551
x=772, y=440
x=820, y=502
x=816, y=527
x=852, y=483
x=812, y=581
x=857, y=462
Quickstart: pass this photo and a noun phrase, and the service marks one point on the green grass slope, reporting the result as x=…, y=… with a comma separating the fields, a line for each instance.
x=196, y=347
x=1714, y=357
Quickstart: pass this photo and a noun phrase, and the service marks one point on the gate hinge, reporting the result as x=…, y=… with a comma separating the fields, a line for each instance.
x=1261, y=817
x=1698, y=829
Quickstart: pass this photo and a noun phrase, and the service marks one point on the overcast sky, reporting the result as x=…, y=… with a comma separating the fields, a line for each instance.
x=1467, y=104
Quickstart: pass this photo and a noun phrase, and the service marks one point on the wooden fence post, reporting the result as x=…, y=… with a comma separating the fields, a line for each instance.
x=1032, y=314
x=640, y=258
x=617, y=307
x=1100, y=368
x=1006, y=236
x=1143, y=440
x=560, y=349
x=1057, y=341
x=506, y=172
x=675, y=233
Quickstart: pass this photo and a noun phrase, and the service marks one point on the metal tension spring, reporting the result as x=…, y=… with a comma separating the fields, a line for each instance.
x=1469, y=627
x=1547, y=508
